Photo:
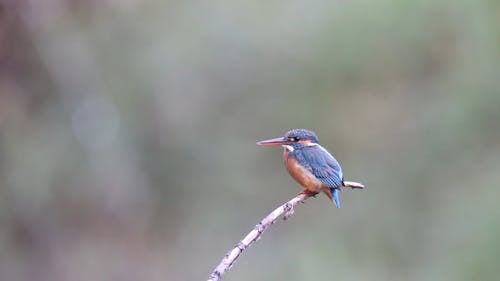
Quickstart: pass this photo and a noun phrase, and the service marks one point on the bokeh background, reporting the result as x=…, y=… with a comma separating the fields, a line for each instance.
x=128, y=130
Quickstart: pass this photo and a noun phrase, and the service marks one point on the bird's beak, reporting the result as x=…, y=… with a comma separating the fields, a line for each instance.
x=272, y=142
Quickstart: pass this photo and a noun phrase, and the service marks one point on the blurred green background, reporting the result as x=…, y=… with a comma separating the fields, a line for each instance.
x=128, y=130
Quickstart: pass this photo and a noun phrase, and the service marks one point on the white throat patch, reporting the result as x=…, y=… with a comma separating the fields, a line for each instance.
x=288, y=147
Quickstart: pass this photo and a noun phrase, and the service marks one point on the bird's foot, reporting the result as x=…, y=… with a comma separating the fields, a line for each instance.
x=309, y=193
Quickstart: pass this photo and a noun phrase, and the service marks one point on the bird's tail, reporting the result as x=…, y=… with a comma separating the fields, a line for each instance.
x=353, y=184
x=336, y=198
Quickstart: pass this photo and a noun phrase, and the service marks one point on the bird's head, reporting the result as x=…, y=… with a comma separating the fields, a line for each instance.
x=293, y=139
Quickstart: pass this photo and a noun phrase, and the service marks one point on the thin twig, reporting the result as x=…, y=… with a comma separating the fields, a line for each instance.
x=254, y=235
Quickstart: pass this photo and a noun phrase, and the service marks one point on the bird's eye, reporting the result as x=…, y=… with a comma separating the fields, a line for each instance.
x=293, y=139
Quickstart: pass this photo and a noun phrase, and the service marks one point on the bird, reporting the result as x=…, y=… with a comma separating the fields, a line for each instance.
x=311, y=165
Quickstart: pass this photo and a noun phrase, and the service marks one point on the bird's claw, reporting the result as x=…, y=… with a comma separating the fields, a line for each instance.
x=309, y=193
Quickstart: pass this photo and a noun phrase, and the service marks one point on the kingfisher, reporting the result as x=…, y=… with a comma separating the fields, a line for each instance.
x=311, y=165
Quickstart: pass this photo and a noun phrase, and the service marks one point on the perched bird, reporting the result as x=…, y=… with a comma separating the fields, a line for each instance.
x=311, y=165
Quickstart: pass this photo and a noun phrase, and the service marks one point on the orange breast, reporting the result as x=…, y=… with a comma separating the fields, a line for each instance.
x=303, y=176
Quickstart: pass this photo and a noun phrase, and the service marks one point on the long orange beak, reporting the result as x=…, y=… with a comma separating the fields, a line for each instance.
x=272, y=142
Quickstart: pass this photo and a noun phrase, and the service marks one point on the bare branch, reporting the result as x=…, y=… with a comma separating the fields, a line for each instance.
x=230, y=258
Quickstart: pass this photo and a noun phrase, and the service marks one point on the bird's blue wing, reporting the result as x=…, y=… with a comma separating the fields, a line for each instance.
x=322, y=164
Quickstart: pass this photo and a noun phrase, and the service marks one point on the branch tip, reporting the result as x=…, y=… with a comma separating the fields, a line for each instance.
x=229, y=259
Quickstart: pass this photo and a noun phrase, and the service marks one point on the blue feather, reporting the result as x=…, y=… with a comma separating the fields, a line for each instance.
x=336, y=198
x=321, y=163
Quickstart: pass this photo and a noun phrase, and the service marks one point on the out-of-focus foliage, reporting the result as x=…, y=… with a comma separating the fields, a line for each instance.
x=128, y=129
